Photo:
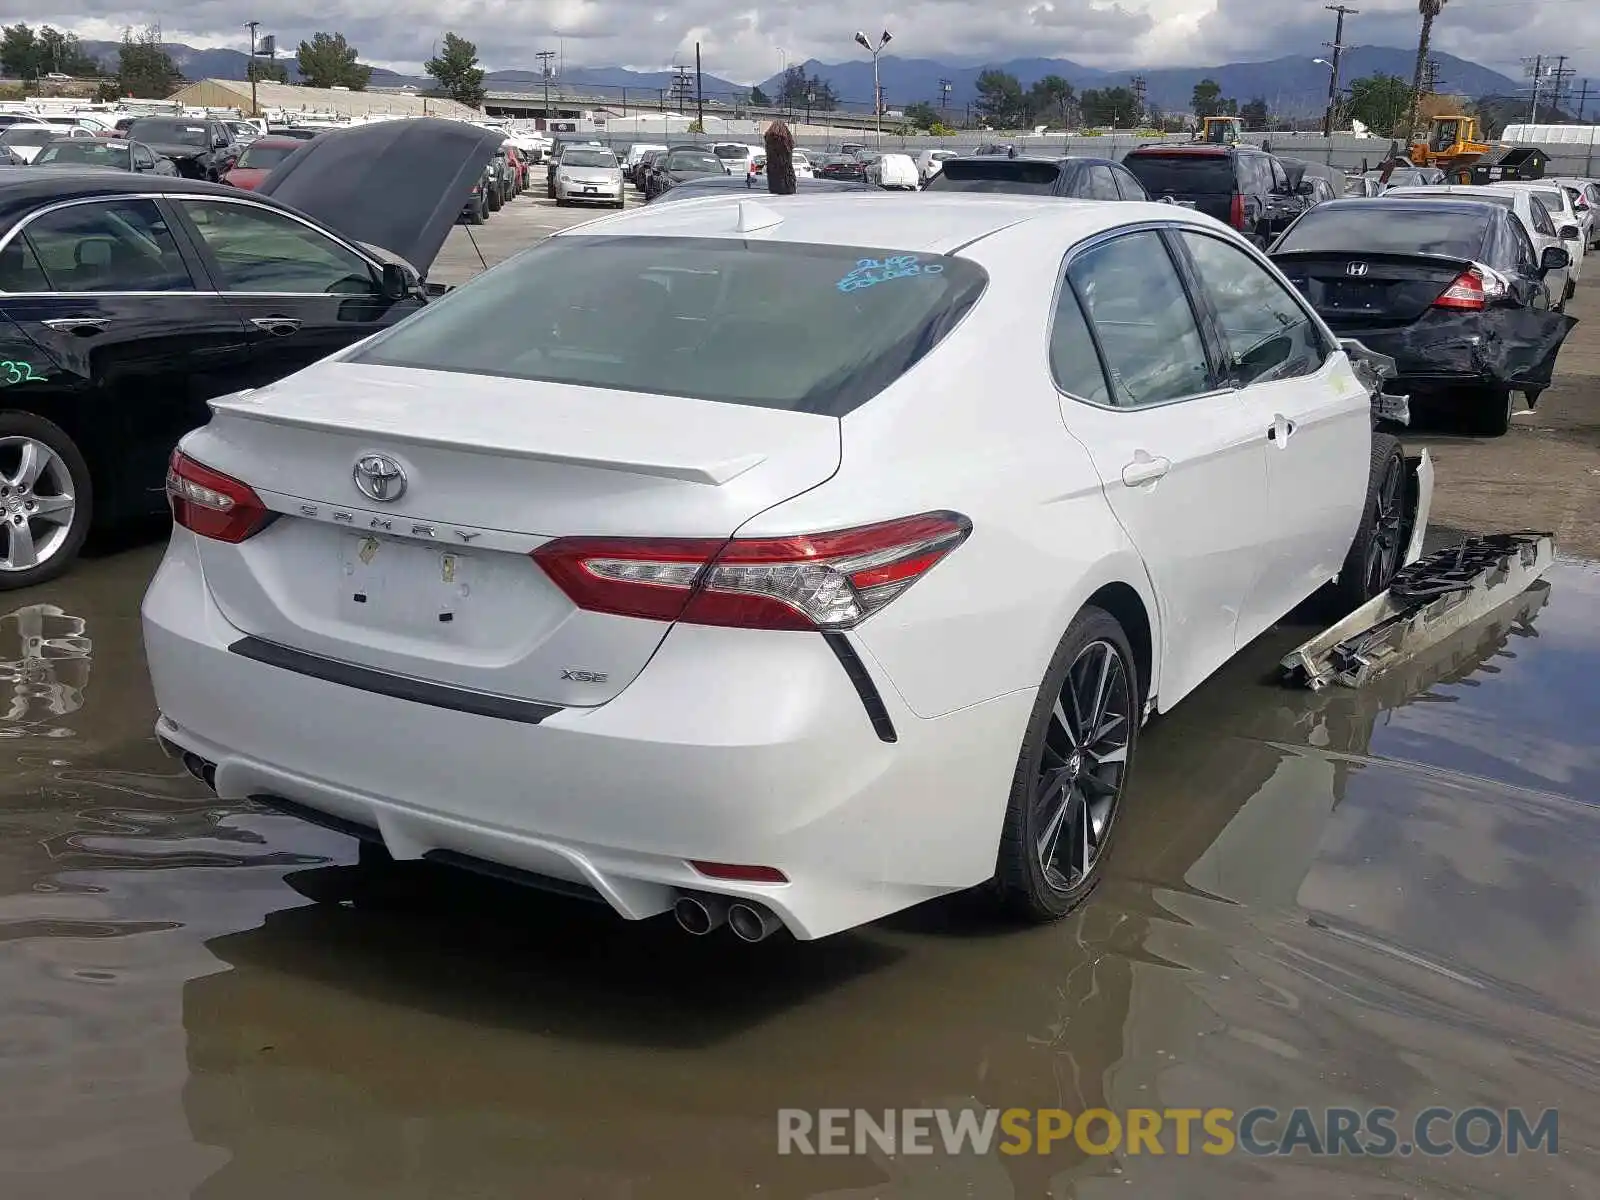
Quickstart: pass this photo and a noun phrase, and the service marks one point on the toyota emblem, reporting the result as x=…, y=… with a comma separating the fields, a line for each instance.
x=1356, y=269
x=379, y=477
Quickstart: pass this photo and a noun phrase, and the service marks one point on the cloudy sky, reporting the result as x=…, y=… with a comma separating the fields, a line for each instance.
x=750, y=40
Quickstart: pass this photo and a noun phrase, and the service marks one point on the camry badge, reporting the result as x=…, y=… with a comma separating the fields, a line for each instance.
x=379, y=477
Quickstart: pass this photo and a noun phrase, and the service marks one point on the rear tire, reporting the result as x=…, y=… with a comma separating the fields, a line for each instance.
x=1071, y=772
x=1378, y=550
x=46, y=500
x=1489, y=411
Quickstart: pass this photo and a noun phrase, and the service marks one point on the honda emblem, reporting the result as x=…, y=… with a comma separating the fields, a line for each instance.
x=1356, y=269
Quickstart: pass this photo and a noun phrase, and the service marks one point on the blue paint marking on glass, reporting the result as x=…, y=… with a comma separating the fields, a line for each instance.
x=869, y=272
x=17, y=372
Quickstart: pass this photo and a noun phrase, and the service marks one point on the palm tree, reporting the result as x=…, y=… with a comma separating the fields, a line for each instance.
x=1429, y=10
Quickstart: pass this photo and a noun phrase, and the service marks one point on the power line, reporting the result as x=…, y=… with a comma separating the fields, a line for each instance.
x=1337, y=46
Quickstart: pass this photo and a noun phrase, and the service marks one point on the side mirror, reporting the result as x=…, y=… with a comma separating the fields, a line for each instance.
x=1553, y=259
x=1568, y=233
x=398, y=282
x=1305, y=188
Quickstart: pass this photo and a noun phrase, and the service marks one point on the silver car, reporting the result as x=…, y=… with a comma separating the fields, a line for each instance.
x=589, y=174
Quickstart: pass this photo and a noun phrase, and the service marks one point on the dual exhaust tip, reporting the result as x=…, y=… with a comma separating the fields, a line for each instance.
x=701, y=913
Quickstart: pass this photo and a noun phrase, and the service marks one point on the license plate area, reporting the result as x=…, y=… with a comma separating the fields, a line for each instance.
x=407, y=588
x=1360, y=297
x=589, y=190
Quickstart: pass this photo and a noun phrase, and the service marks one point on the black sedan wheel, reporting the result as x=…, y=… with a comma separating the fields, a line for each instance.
x=45, y=500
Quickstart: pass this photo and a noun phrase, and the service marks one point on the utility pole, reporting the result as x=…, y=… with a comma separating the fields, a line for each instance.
x=1537, y=71
x=1337, y=46
x=544, y=57
x=1583, y=99
x=1139, y=88
x=699, y=92
x=1560, y=73
x=255, y=109
x=1431, y=77
x=945, y=87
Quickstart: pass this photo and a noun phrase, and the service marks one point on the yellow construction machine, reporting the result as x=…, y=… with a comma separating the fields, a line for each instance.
x=1452, y=146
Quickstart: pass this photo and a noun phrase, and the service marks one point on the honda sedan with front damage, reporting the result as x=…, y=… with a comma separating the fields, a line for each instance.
x=707, y=559
x=1451, y=289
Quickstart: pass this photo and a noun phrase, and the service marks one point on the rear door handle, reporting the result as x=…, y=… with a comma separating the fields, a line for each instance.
x=277, y=326
x=81, y=326
x=1280, y=431
x=1145, y=469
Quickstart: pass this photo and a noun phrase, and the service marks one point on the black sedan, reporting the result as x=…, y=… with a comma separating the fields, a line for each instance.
x=679, y=164
x=201, y=149
x=847, y=168
x=127, y=302
x=1070, y=177
x=116, y=153
x=1451, y=289
x=755, y=185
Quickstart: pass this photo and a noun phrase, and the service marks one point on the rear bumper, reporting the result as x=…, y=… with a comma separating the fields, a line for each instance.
x=1497, y=347
x=743, y=747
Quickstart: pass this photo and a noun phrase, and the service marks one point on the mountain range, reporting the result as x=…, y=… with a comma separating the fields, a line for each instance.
x=1291, y=84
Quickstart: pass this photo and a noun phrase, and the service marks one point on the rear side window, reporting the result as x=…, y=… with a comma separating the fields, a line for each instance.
x=108, y=246
x=1074, y=361
x=1378, y=227
x=1130, y=187
x=1100, y=184
x=818, y=329
x=996, y=175
x=1541, y=217
x=1137, y=305
x=1182, y=174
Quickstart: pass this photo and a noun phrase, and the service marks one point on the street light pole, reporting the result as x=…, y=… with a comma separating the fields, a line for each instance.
x=877, y=90
x=255, y=109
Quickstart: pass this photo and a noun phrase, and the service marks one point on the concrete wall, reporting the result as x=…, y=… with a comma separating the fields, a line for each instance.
x=1344, y=150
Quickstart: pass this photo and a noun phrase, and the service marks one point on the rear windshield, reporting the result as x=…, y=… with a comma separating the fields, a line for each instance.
x=818, y=329
x=731, y=152
x=679, y=160
x=995, y=175
x=257, y=155
x=588, y=158
x=1382, y=228
x=81, y=150
x=1182, y=174
x=29, y=137
x=1554, y=201
x=170, y=133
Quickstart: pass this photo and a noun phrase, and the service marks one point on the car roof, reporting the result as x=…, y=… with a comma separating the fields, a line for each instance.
x=1206, y=151
x=928, y=222
x=23, y=188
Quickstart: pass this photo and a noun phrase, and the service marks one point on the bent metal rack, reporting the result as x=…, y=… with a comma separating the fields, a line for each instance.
x=1430, y=600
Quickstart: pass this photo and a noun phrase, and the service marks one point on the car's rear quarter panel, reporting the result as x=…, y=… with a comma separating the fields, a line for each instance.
x=975, y=427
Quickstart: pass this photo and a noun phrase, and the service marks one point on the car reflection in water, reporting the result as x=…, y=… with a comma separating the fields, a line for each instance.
x=46, y=665
x=416, y=1028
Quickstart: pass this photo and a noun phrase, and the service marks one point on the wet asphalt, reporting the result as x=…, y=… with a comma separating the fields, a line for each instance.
x=1384, y=897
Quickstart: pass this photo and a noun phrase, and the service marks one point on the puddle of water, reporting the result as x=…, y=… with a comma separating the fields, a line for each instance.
x=1383, y=897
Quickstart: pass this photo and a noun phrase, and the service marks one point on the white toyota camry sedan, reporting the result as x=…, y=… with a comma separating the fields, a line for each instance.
x=778, y=562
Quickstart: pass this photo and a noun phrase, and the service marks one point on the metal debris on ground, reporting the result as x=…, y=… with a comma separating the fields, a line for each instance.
x=1428, y=601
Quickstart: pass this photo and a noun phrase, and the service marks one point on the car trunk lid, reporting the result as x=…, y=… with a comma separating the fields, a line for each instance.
x=436, y=583
x=1353, y=289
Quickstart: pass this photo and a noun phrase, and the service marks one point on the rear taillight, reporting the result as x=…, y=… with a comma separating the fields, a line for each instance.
x=1473, y=289
x=212, y=504
x=809, y=581
x=1236, y=212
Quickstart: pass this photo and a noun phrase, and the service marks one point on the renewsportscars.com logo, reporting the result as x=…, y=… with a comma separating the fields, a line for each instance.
x=1371, y=1132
